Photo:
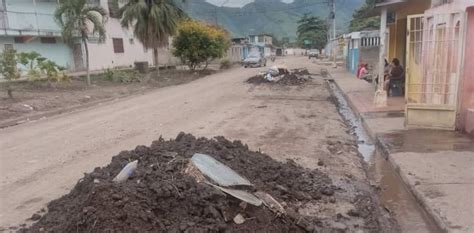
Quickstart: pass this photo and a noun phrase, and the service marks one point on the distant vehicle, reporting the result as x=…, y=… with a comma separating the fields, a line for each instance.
x=253, y=60
x=313, y=53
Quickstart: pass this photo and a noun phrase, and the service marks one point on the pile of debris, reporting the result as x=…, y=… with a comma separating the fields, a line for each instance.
x=282, y=76
x=182, y=185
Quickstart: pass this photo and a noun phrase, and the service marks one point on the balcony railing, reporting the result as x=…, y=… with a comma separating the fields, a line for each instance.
x=27, y=23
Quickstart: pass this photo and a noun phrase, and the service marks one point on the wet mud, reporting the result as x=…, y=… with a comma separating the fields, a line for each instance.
x=392, y=192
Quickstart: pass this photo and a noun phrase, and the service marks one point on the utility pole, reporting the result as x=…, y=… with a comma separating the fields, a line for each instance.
x=334, y=32
x=215, y=16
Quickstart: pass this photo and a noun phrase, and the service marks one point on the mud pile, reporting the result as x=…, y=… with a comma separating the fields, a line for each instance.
x=285, y=78
x=160, y=197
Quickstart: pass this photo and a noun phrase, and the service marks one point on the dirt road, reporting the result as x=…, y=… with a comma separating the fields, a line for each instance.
x=42, y=160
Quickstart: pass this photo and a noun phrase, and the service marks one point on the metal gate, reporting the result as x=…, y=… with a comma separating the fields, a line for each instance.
x=433, y=67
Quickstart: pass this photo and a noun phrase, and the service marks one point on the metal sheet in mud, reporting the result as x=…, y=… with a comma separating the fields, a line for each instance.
x=241, y=195
x=218, y=172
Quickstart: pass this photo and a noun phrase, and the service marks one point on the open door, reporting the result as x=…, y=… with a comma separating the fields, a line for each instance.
x=432, y=72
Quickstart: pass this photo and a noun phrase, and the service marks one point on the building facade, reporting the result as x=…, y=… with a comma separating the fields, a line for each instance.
x=361, y=48
x=433, y=39
x=28, y=25
x=263, y=42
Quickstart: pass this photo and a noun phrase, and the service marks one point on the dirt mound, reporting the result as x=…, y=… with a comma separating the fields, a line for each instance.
x=160, y=197
x=290, y=79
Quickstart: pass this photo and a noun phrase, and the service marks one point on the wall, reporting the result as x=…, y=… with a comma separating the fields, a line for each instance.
x=467, y=82
x=235, y=53
x=369, y=55
x=59, y=52
x=102, y=55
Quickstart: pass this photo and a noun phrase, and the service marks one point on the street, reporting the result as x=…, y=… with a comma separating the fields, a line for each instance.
x=43, y=160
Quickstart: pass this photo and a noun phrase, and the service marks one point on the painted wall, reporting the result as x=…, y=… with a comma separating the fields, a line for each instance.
x=467, y=82
x=370, y=56
x=59, y=52
x=235, y=53
x=102, y=55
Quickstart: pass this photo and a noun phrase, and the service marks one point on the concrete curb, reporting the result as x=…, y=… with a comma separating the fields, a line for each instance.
x=385, y=151
x=419, y=197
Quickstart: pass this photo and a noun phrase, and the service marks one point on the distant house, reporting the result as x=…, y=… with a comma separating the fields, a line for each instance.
x=28, y=25
x=263, y=42
x=239, y=49
x=361, y=48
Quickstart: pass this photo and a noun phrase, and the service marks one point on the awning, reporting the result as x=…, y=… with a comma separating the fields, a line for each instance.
x=391, y=5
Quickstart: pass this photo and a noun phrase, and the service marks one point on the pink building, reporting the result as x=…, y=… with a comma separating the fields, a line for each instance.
x=440, y=66
x=466, y=117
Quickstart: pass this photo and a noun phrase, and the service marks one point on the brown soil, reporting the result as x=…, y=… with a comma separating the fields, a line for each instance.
x=160, y=197
x=294, y=78
x=34, y=99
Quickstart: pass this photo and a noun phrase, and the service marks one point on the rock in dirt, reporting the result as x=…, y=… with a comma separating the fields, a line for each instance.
x=35, y=217
x=239, y=219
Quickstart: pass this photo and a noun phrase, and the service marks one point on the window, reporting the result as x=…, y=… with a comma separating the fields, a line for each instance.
x=19, y=40
x=48, y=40
x=118, y=45
x=260, y=39
x=8, y=46
x=114, y=11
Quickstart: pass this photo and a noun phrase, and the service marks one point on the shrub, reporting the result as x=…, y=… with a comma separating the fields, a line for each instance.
x=225, y=64
x=8, y=68
x=199, y=42
x=123, y=76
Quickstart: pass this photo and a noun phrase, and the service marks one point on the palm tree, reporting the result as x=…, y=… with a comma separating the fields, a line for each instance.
x=77, y=18
x=153, y=21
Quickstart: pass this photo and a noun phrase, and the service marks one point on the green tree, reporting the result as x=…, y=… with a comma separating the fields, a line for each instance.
x=312, y=32
x=8, y=68
x=79, y=19
x=198, y=43
x=153, y=21
x=361, y=22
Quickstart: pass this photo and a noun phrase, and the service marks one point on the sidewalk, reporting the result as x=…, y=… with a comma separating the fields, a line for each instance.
x=437, y=166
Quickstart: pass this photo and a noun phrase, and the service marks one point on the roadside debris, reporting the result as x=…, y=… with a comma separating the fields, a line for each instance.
x=282, y=76
x=218, y=172
x=126, y=172
x=176, y=189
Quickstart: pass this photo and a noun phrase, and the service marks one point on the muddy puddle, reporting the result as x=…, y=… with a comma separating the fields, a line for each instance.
x=393, y=194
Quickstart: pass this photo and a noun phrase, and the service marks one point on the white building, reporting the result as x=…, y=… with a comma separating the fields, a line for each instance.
x=28, y=25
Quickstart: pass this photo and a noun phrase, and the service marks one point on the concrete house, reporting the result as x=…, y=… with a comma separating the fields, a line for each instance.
x=263, y=42
x=433, y=39
x=239, y=49
x=361, y=48
x=28, y=25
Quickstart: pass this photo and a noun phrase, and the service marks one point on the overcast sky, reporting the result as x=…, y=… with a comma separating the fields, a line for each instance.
x=235, y=3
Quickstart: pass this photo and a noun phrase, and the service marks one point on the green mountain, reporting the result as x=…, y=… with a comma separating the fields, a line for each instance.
x=270, y=16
